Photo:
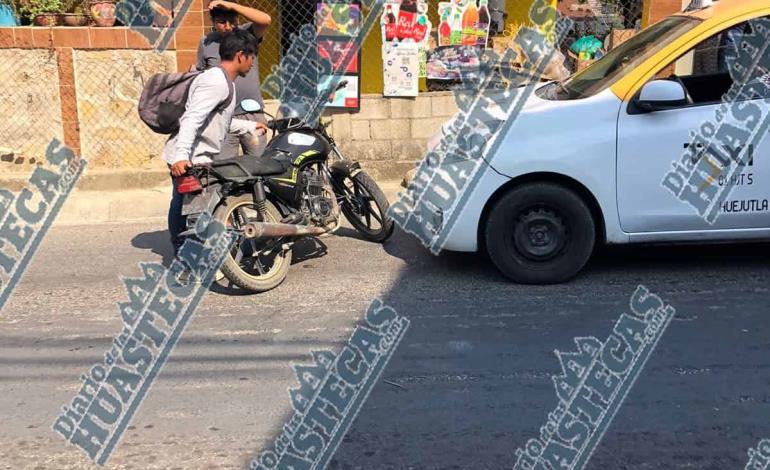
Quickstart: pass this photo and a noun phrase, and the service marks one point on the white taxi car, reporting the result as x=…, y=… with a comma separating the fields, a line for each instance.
x=584, y=161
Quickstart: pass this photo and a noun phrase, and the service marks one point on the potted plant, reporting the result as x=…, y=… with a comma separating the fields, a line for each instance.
x=43, y=12
x=76, y=16
x=103, y=12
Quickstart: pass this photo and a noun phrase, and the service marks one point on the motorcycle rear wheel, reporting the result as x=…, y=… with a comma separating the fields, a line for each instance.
x=268, y=270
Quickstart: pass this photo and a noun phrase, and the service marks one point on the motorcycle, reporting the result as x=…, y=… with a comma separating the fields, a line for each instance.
x=291, y=191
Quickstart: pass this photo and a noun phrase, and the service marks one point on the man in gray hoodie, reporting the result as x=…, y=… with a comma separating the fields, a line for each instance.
x=224, y=16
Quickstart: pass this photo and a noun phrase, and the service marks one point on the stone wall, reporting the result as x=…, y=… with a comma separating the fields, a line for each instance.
x=109, y=83
x=388, y=134
x=30, y=106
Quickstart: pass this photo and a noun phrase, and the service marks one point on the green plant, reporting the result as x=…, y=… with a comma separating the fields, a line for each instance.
x=32, y=8
x=15, y=4
x=74, y=6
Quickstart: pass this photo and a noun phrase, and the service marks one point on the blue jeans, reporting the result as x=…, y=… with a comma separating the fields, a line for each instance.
x=177, y=223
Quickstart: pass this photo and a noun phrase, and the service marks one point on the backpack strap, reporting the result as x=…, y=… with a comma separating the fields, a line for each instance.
x=231, y=92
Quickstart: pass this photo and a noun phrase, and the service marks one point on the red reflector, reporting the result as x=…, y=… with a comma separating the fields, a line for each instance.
x=188, y=184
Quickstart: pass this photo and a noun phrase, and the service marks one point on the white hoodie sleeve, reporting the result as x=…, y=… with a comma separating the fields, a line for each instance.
x=207, y=92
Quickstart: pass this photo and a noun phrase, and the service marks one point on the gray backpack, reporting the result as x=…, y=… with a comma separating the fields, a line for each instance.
x=164, y=98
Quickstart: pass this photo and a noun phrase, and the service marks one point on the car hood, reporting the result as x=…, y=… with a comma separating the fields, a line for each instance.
x=536, y=128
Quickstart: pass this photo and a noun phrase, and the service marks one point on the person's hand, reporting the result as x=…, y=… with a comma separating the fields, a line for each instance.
x=221, y=4
x=180, y=168
x=260, y=128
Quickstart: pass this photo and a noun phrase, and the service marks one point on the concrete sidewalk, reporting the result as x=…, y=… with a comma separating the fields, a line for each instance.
x=86, y=207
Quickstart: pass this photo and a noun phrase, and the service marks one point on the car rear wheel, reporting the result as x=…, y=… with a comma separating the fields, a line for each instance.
x=540, y=233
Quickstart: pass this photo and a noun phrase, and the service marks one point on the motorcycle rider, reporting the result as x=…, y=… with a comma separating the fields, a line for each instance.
x=203, y=126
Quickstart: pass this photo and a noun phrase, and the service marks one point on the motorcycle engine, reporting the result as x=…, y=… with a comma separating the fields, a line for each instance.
x=318, y=199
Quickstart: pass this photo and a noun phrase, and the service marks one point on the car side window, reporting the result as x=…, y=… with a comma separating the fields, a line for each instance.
x=707, y=70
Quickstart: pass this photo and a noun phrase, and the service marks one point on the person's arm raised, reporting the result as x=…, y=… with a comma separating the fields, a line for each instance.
x=259, y=19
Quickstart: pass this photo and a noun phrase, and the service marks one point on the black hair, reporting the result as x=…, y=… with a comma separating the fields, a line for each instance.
x=220, y=12
x=237, y=41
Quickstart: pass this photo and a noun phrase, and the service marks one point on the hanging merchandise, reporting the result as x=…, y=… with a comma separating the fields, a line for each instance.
x=482, y=31
x=445, y=30
x=456, y=35
x=389, y=24
x=405, y=21
x=405, y=33
x=407, y=17
x=470, y=25
x=462, y=35
x=464, y=23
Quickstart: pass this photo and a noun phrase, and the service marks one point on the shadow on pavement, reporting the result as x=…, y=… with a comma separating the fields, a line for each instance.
x=158, y=243
x=471, y=381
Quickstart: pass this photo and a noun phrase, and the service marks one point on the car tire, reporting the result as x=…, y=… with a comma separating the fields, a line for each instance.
x=540, y=233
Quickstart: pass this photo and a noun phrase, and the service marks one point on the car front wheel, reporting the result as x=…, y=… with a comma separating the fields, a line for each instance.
x=540, y=233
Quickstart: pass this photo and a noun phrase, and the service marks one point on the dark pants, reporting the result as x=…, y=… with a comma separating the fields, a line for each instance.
x=177, y=223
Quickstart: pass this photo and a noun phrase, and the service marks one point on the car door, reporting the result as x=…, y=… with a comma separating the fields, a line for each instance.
x=649, y=145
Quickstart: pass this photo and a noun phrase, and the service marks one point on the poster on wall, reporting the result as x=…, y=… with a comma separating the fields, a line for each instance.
x=405, y=29
x=340, y=18
x=337, y=24
x=335, y=51
x=401, y=70
x=463, y=33
x=464, y=23
x=348, y=97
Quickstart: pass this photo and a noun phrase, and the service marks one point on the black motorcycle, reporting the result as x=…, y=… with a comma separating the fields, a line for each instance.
x=290, y=191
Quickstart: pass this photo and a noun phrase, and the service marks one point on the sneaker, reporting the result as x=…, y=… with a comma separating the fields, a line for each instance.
x=219, y=276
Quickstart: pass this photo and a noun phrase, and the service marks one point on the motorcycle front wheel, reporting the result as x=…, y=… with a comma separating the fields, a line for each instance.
x=257, y=265
x=364, y=205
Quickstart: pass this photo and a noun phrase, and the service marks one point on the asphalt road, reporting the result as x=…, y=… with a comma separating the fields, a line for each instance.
x=468, y=385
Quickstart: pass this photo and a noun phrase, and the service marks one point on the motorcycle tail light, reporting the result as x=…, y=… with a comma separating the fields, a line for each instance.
x=188, y=185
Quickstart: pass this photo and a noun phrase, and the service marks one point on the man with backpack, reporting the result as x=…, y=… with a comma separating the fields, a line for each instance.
x=207, y=119
x=224, y=16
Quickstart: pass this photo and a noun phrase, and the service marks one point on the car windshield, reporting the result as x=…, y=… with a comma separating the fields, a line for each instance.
x=621, y=60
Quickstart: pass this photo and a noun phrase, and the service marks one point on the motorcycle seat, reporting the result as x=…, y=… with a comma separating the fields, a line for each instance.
x=248, y=166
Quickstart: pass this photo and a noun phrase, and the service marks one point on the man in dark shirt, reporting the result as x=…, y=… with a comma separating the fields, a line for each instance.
x=224, y=16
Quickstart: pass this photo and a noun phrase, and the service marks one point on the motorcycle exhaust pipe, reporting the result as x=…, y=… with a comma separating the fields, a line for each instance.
x=269, y=230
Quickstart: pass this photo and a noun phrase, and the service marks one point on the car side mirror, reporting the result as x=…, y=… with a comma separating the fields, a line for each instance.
x=658, y=95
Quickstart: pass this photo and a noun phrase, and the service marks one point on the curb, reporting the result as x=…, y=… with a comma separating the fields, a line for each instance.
x=137, y=206
x=99, y=180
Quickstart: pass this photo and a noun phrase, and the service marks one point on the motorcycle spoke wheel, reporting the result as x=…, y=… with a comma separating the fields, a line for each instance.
x=360, y=203
x=364, y=205
x=256, y=265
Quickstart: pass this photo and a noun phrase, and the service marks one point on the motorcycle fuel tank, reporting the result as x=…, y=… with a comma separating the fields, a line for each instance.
x=299, y=142
x=303, y=146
